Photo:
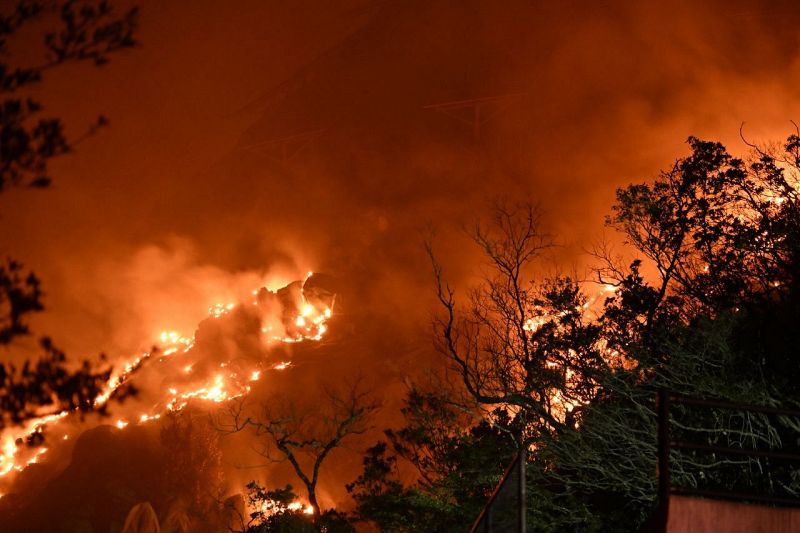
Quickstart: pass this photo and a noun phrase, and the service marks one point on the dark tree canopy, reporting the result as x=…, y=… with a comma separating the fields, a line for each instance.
x=705, y=308
x=87, y=30
x=718, y=239
x=516, y=343
x=457, y=464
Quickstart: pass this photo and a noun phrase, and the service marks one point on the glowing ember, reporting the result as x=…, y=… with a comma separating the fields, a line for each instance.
x=217, y=310
x=174, y=338
x=298, y=505
x=7, y=457
x=271, y=507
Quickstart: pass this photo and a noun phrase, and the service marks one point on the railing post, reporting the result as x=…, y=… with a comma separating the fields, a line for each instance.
x=523, y=502
x=662, y=407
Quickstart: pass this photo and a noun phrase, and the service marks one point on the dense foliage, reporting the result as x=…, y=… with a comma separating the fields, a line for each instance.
x=272, y=512
x=705, y=307
x=457, y=468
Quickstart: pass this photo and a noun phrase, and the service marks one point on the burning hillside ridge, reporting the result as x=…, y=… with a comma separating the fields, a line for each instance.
x=237, y=345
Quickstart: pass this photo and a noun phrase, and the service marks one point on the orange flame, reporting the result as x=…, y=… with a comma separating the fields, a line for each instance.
x=309, y=324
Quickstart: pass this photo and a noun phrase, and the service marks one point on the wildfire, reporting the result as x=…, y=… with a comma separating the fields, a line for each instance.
x=303, y=318
x=217, y=310
x=298, y=505
x=538, y=317
x=175, y=341
x=271, y=507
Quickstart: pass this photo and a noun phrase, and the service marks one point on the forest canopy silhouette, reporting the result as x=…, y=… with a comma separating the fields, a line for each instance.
x=718, y=236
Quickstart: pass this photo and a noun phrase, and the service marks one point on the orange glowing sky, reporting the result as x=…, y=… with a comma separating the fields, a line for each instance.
x=181, y=202
x=605, y=95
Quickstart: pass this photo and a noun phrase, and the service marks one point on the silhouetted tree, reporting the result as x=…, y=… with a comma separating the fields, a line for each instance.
x=717, y=238
x=272, y=512
x=305, y=435
x=516, y=344
x=706, y=308
x=458, y=462
x=82, y=30
x=723, y=236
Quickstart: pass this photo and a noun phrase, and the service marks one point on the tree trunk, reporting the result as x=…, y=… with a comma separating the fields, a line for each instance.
x=312, y=500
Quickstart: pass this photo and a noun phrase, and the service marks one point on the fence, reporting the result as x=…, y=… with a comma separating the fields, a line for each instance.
x=666, y=400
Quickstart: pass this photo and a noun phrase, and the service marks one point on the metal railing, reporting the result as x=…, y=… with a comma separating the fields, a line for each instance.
x=666, y=400
x=498, y=518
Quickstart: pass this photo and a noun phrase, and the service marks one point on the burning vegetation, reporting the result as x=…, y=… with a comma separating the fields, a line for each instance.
x=230, y=351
